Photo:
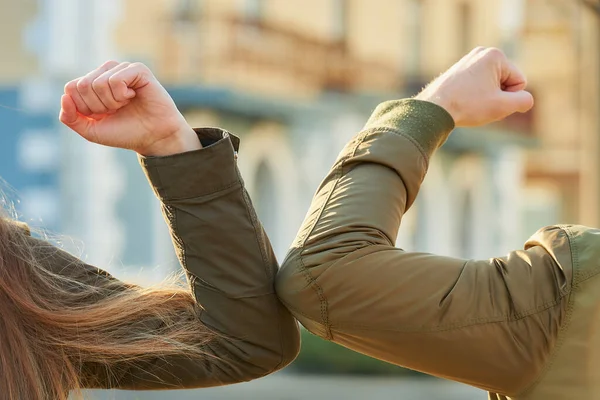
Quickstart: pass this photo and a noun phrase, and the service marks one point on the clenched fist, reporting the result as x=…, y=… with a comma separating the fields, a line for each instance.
x=123, y=105
x=481, y=88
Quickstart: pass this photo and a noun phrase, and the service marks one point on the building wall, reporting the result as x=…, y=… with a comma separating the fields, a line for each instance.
x=560, y=52
x=15, y=17
x=284, y=160
x=589, y=117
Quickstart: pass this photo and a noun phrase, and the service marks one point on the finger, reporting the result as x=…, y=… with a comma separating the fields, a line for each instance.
x=68, y=110
x=512, y=102
x=512, y=79
x=69, y=116
x=103, y=89
x=134, y=77
x=71, y=90
x=119, y=84
x=84, y=87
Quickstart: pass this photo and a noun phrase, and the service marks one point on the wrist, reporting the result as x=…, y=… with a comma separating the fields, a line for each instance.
x=438, y=99
x=182, y=141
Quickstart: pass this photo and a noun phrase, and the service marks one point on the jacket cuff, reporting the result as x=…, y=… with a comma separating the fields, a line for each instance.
x=427, y=123
x=196, y=173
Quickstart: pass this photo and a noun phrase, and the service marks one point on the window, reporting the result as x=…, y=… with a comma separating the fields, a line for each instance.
x=186, y=10
x=466, y=226
x=414, y=20
x=541, y=206
x=253, y=9
x=340, y=15
x=266, y=201
x=465, y=26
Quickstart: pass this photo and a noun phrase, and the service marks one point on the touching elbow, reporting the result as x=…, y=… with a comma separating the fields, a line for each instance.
x=265, y=361
x=286, y=354
x=277, y=346
x=299, y=291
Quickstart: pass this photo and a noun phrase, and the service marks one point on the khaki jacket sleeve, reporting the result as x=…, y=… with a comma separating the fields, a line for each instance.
x=231, y=268
x=488, y=323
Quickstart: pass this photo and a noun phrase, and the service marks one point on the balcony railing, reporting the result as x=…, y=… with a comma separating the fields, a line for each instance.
x=246, y=49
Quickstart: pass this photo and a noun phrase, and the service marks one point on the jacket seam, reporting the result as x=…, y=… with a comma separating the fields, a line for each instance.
x=337, y=175
x=324, y=304
x=567, y=321
x=160, y=187
x=258, y=233
x=411, y=139
x=174, y=159
x=205, y=285
x=217, y=190
x=172, y=211
x=476, y=321
x=281, y=340
x=471, y=323
x=295, y=310
x=310, y=280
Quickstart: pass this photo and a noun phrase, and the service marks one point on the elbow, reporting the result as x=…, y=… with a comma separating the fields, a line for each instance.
x=290, y=345
x=289, y=350
x=284, y=351
x=298, y=289
x=284, y=346
x=262, y=361
x=276, y=348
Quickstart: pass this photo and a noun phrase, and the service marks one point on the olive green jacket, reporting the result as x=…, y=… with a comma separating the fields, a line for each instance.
x=523, y=326
x=231, y=268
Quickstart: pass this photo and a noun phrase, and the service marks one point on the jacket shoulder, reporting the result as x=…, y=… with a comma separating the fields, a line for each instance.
x=575, y=247
x=585, y=251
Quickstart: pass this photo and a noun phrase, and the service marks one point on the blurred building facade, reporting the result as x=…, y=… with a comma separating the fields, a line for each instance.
x=296, y=79
x=560, y=51
x=29, y=158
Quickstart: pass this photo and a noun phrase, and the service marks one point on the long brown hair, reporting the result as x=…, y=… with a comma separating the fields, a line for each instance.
x=60, y=318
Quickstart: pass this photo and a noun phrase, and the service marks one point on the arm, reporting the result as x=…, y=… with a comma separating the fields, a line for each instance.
x=488, y=323
x=230, y=265
x=219, y=241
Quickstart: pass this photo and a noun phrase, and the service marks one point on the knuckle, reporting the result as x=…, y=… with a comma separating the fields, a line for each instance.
x=140, y=66
x=114, y=80
x=99, y=84
x=83, y=84
x=110, y=64
x=71, y=86
x=494, y=52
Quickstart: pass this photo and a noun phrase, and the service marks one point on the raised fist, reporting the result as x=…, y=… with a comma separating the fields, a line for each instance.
x=123, y=105
x=483, y=87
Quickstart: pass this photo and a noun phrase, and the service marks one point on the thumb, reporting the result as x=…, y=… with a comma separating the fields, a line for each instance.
x=520, y=101
x=77, y=122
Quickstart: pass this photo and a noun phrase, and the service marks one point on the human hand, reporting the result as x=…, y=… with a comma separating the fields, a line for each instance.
x=483, y=87
x=123, y=105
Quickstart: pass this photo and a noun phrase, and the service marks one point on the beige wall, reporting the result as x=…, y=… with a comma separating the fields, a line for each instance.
x=139, y=36
x=557, y=47
x=15, y=63
x=312, y=17
x=376, y=30
x=589, y=122
x=442, y=31
x=559, y=53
